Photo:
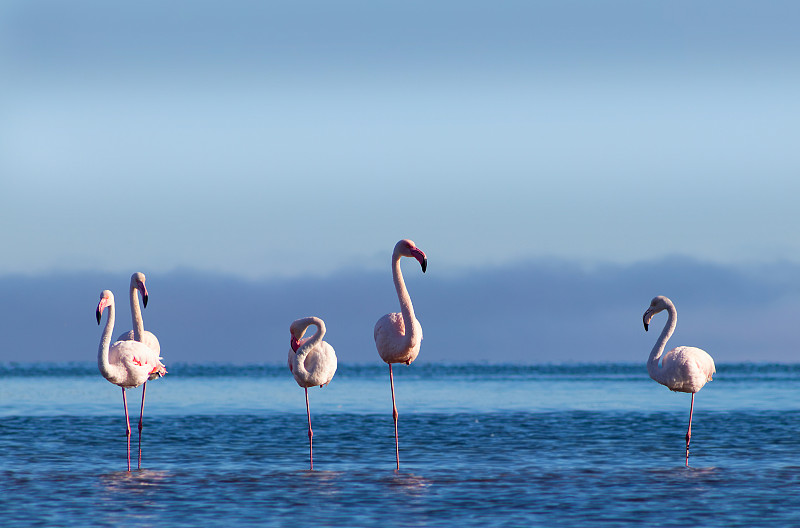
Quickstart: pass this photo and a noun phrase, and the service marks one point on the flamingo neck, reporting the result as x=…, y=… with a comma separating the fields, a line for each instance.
x=309, y=345
x=102, y=352
x=136, y=314
x=653, y=367
x=406, y=308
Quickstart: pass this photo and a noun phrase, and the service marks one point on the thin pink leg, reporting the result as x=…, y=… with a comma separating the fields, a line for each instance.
x=394, y=416
x=127, y=426
x=310, y=433
x=689, y=432
x=141, y=416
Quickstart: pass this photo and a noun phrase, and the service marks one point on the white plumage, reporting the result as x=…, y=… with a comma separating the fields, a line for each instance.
x=682, y=369
x=312, y=362
x=127, y=364
x=398, y=335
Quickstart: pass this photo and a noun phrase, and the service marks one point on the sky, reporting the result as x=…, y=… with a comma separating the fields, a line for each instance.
x=261, y=142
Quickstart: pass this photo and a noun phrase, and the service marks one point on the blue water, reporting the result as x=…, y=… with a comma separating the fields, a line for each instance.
x=584, y=445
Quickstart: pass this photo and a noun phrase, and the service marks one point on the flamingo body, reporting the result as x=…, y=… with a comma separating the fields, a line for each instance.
x=398, y=336
x=134, y=362
x=312, y=362
x=682, y=369
x=390, y=333
x=124, y=363
x=127, y=364
x=686, y=369
x=141, y=335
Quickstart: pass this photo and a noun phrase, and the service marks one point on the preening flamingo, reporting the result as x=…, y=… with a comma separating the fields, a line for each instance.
x=125, y=363
x=312, y=361
x=682, y=369
x=143, y=336
x=399, y=335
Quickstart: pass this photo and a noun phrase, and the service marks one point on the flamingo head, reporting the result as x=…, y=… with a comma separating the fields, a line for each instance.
x=106, y=299
x=137, y=281
x=297, y=329
x=407, y=248
x=656, y=305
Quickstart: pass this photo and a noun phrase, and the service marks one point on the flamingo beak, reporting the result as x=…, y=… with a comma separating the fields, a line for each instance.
x=420, y=256
x=100, y=307
x=646, y=319
x=143, y=291
x=295, y=343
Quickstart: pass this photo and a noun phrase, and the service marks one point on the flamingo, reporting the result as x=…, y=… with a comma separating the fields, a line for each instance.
x=143, y=336
x=312, y=361
x=682, y=369
x=399, y=335
x=127, y=364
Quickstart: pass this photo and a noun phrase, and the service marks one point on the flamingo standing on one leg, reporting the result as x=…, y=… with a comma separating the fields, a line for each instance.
x=125, y=363
x=682, y=369
x=143, y=336
x=399, y=335
x=312, y=361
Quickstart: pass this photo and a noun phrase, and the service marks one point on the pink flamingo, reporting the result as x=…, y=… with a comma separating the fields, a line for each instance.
x=682, y=369
x=399, y=335
x=125, y=363
x=141, y=335
x=312, y=361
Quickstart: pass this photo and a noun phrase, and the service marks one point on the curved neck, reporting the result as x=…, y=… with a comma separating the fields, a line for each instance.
x=314, y=340
x=309, y=345
x=105, y=341
x=136, y=314
x=406, y=308
x=653, y=368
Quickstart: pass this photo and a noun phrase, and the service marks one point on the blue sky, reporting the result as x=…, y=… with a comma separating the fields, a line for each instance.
x=277, y=140
x=290, y=138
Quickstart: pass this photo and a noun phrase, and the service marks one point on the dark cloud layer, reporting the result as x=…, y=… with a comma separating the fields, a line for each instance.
x=533, y=312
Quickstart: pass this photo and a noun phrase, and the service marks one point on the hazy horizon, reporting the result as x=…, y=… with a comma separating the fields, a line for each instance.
x=533, y=312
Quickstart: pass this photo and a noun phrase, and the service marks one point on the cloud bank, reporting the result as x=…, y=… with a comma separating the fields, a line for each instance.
x=540, y=311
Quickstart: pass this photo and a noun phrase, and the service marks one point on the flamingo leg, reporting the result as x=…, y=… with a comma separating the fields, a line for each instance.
x=141, y=417
x=310, y=433
x=689, y=432
x=394, y=416
x=127, y=426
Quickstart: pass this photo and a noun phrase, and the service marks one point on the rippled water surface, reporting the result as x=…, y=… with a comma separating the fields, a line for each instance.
x=598, y=445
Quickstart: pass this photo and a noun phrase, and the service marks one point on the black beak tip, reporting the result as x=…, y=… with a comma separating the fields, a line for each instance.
x=144, y=300
x=97, y=313
x=424, y=265
x=645, y=327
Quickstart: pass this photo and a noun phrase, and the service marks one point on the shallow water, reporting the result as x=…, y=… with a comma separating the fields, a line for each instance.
x=480, y=446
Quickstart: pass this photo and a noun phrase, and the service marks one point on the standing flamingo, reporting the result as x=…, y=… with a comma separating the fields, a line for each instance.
x=143, y=336
x=125, y=363
x=399, y=335
x=682, y=369
x=312, y=361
